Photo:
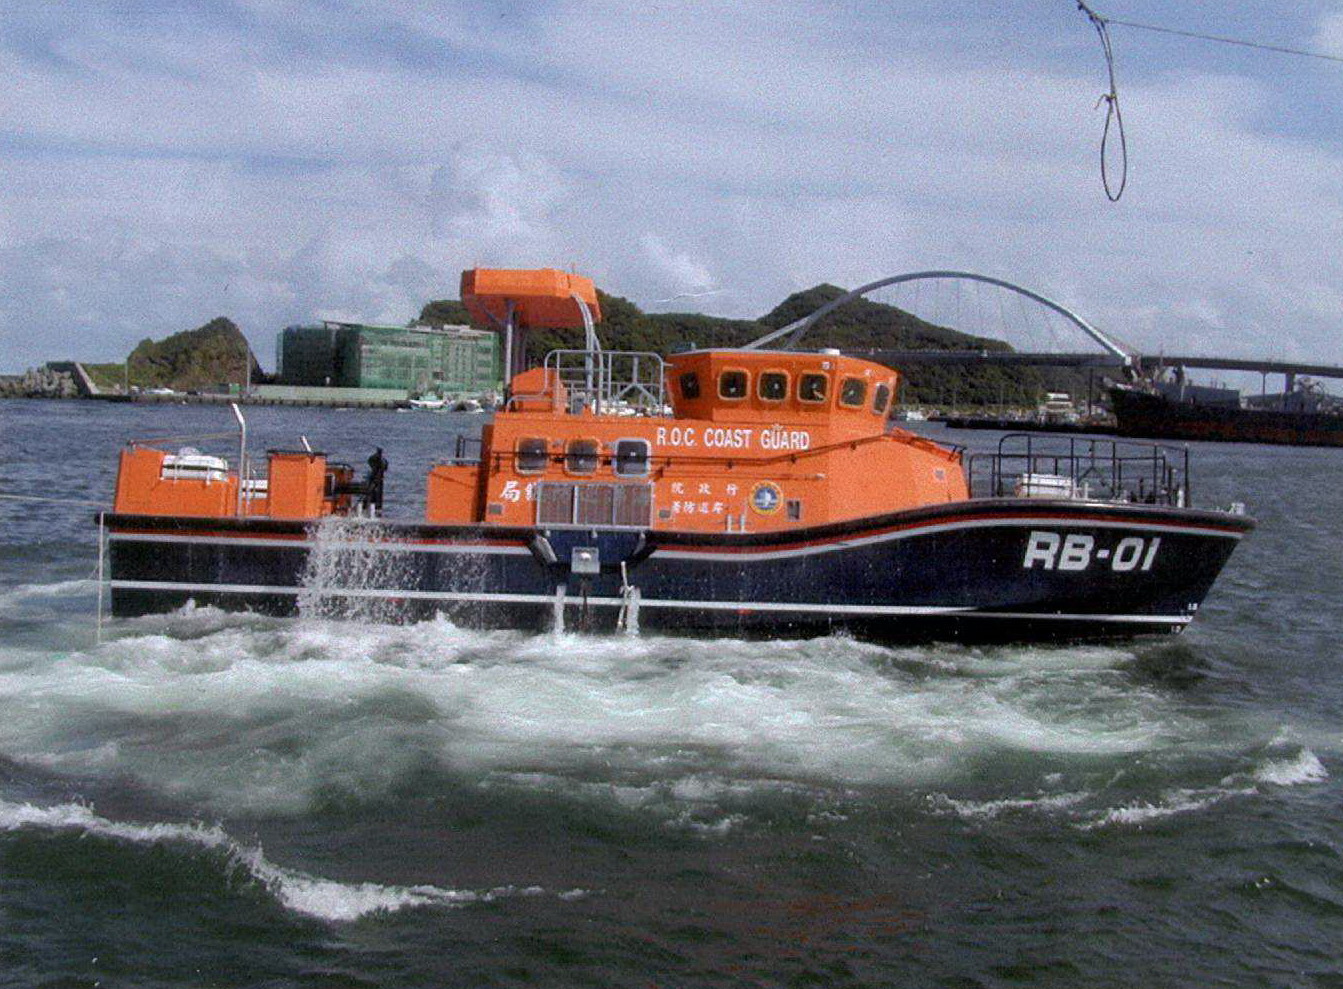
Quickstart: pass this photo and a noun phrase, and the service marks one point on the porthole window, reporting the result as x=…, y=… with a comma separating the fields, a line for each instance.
x=812, y=387
x=690, y=385
x=853, y=392
x=581, y=456
x=881, y=399
x=773, y=386
x=532, y=455
x=732, y=384
x=631, y=458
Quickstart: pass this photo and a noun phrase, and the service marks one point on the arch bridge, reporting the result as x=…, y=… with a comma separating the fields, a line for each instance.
x=1112, y=353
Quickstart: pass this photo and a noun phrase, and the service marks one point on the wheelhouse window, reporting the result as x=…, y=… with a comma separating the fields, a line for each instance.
x=690, y=385
x=631, y=458
x=853, y=392
x=772, y=386
x=881, y=399
x=581, y=456
x=532, y=455
x=812, y=387
x=732, y=384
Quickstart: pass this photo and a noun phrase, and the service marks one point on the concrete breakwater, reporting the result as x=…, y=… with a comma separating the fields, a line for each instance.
x=351, y=398
x=41, y=382
x=69, y=379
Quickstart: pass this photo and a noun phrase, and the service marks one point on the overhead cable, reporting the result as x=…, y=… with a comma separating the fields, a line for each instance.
x=1113, y=115
x=1280, y=49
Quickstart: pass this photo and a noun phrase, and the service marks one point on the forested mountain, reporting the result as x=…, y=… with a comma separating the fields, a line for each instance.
x=860, y=324
x=205, y=357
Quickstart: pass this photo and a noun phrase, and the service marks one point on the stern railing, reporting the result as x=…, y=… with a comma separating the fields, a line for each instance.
x=1027, y=465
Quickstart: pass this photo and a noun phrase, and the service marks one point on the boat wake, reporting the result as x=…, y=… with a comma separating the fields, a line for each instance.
x=243, y=866
x=23, y=593
x=226, y=715
x=1089, y=811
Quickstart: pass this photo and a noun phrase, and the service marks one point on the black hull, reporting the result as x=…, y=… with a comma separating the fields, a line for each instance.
x=1139, y=414
x=999, y=570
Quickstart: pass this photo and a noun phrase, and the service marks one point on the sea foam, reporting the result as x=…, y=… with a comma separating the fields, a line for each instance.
x=1305, y=767
x=312, y=896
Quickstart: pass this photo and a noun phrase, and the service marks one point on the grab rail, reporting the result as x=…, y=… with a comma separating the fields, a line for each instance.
x=1034, y=466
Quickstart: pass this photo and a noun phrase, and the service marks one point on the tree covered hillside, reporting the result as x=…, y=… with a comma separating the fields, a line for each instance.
x=859, y=325
x=202, y=358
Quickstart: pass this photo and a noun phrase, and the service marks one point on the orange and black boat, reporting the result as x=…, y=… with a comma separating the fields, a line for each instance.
x=722, y=491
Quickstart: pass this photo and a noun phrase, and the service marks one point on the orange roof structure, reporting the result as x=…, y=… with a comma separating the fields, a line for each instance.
x=542, y=298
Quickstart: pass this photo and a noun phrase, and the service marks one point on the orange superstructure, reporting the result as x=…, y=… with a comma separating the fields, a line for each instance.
x=751, y=441
x=297, y=485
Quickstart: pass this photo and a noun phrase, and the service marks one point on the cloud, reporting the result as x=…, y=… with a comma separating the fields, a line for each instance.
x=277, y=163
x=1329, y=35
x=678, y=270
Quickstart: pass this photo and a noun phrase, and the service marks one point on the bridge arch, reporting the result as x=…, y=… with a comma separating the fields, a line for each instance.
x=794, y=331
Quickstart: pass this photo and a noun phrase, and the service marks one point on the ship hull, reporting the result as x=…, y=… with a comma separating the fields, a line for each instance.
x=1000, y=570
x=1139, y=414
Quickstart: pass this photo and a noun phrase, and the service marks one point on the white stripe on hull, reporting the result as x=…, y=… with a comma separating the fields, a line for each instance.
x=754, y=554
x=615, y=602
x=717, y=553
x=279, y=542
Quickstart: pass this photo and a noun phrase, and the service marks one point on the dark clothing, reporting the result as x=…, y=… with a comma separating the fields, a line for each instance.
x=377, y=467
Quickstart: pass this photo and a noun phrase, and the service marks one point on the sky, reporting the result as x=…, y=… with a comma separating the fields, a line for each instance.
x=280, y=161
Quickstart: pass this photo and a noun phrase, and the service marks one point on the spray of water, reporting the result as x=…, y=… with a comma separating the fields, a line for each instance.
x=351, y=553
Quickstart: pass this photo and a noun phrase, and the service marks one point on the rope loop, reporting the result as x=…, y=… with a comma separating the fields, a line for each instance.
x=1114, y=117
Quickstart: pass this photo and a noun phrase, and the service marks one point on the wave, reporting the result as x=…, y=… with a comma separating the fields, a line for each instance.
x=831, y=710
x=1305, y=767
x=21, y=593
x=240, y=715
x=940, y=803
x=1171, y=804
x=298, y=892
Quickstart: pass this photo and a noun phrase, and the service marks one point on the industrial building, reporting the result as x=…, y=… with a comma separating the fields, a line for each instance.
x=447, y=360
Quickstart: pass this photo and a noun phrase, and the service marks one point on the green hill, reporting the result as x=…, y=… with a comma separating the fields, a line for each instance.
x=858, y=325
x=198, y=359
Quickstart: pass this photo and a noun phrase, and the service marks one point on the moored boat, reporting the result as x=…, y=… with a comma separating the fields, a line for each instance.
x=756, y=492
x=1188, y=414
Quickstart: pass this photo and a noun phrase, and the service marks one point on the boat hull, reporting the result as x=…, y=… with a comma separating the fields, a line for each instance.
x=992, y=570
x=1139, y=414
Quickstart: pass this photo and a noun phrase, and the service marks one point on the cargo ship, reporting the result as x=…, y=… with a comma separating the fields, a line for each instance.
x=1177, y=410
x=752, y=492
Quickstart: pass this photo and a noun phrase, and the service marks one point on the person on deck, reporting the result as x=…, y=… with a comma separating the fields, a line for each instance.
x=377, y=467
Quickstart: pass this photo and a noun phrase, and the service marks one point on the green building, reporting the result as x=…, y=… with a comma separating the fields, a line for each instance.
x=447, y=360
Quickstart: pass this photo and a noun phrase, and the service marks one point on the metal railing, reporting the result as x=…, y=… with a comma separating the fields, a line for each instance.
x=469, y=452
x=1028, y=465
x=608, y=382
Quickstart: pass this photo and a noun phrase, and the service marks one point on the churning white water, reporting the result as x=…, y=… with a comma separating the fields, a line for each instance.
x=240, y=714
